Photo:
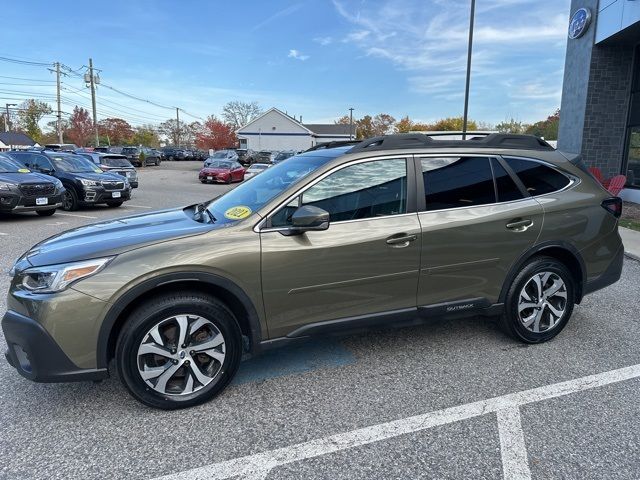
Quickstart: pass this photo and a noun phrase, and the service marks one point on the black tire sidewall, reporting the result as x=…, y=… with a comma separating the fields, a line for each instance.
x=143, y=319
x=510, y=317
x=74, y=201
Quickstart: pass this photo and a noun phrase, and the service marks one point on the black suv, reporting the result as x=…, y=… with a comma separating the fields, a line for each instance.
x=84, y=182
x=173, y=153
x=24, y=191
x=151, y=157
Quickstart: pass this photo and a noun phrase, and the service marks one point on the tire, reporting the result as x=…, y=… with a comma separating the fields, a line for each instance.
x=46, y=213
x=70, y=201
x=228, y=182
x=114, y=204
x=158, y=162
x=171, y=389
x=548, y=313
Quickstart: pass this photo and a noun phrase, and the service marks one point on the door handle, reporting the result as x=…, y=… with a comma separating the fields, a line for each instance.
x=519, y=225
x=401, y=239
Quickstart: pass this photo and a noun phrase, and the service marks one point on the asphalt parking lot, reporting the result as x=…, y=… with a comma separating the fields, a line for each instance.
x=450, y=399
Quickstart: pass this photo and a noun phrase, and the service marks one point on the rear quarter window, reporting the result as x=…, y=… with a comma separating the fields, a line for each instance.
x=538, y=178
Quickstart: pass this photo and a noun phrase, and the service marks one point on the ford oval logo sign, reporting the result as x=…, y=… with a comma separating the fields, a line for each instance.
x=579, y=23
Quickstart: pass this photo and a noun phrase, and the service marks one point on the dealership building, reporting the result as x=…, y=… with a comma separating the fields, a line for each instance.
x=600, y=111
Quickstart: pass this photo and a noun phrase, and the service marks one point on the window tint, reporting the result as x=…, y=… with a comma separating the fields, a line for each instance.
x=507, y=188
x=538, y=179
x=365, y=190
x=457, y=182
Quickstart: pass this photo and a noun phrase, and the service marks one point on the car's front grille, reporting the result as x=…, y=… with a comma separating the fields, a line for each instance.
x=112, y=185
x=37, y=189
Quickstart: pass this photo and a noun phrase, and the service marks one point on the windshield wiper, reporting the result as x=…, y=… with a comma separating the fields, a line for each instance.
x=201, y=208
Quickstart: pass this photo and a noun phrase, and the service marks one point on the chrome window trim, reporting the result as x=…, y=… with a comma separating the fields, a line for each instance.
x=573, y=180
x=258, y=227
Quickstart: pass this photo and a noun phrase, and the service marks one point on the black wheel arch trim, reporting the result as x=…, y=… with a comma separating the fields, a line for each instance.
x=538, y=249
x=120, y=305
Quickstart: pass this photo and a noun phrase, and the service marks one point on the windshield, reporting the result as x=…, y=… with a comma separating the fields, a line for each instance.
x=116, y=162
x=284, y=155
x=73, y=164
x=218, y=164
x=251, y=196
x=220, y=154
x=258, y=166
x=128, y=150
x=10, y=166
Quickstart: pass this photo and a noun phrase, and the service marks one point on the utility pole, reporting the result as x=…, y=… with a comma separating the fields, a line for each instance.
x=469, y=52
x=92, y=80
x=8, y=117
x=59, y=125
x=351, y=123
x=178, y=126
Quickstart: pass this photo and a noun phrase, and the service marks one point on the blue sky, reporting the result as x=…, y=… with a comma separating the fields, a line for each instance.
x=313, y=58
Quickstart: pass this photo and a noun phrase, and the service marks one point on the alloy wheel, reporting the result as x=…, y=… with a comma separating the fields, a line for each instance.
x=181, y=355
x=542, y=302
x=67, y=201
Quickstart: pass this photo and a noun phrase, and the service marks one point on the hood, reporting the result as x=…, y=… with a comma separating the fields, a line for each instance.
x=32, y=177
x=98, y=177
x=215, y=170
x=116, y=236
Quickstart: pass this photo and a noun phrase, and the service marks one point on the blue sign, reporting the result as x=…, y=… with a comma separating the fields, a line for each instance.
x=579, y=23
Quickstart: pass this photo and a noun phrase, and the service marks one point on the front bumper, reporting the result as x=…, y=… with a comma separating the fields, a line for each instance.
x=101, y=195
x=214, y=177
x=36, y=355
x=15, y=202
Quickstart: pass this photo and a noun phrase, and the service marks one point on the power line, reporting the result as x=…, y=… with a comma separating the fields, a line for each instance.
x=25, y=62
x=28, y=79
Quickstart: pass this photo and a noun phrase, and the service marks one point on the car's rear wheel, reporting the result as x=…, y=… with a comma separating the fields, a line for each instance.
x=46, y=213
x=179, y=350
x=114, y=204
x=540, y=301
x=70, y=200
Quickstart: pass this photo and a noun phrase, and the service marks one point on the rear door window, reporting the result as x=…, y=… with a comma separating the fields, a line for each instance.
x=456, y=182
x=537, y=178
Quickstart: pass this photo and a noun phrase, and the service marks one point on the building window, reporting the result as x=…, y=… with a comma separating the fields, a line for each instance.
x=632, y=164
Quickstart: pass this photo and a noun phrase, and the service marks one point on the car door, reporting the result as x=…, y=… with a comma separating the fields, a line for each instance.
x=238, y=171
x=365, y=263
x=476, y=221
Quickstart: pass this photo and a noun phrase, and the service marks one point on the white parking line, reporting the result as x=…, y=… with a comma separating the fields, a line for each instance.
x=1, y=234
x=259, y=464
x=74, y=215
x=136, y=206
x=512, y=447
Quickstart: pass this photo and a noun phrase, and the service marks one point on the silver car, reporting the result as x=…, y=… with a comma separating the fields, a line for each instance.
x=114, y=163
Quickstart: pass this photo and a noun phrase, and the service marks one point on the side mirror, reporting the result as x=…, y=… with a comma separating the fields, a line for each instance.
x=47, y=171
x=308, y=218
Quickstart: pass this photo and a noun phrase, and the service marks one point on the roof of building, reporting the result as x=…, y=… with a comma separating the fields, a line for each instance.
x=16, y=138
x=328, y=128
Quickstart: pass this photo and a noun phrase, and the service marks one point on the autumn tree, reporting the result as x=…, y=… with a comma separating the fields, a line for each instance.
x=216, y=135
x=382, y=123
x=30, y=113
x=117, y=130
x=452, y=124
x=364, y=127
x=547, y=129
x=146, y=135
x=176, y=132
x=238, y=114
x=404, y=125
x=80, y=127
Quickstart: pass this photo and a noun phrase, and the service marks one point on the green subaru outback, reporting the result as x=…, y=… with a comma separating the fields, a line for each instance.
x=386, y=232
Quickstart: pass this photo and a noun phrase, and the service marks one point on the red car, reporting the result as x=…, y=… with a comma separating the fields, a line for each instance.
x=221, y=171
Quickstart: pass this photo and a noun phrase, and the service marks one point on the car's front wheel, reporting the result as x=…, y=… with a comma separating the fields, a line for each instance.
x=70, y=201
x=179, y=350
x=540, y=301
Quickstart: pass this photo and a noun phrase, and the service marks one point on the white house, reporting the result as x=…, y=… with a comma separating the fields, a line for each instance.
x=275, y=130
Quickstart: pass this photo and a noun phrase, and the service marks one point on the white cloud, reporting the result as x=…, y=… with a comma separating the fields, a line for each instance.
x=324, y=41
x=293, y=53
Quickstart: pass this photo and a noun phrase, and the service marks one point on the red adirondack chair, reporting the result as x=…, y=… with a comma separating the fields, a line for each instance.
x=597, y=173
x=616, y=184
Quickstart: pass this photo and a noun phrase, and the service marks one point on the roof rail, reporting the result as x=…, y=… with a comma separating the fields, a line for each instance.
x=334, y=144
x=417, y=140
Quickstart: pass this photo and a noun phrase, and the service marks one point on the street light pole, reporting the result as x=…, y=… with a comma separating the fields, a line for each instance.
x=351, y=123
x=469, y=52
x=6, y=120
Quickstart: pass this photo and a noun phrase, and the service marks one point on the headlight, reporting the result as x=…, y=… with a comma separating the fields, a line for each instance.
x=55, y=278
x=89, y=183
x=5, y=186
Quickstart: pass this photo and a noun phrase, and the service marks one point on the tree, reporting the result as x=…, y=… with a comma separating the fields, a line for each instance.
x=216, y=135
x=547, y=129
x=344, y=120
x=238, y=114
x=404, y=125
x=80, y=127
x=452, y=124
x=117, y=130
x=511, y=126
x=30, y=113
x=382, y=123
x=146, y=135
x=364, y=127
x=177, y=133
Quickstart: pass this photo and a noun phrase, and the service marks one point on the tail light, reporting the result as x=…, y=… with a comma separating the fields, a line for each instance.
x=613, y=205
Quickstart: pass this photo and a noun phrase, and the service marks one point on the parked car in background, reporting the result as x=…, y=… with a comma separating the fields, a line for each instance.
x=283, y=155
x=114, y=163
x=229, y=155
x=133, y=155
x=246, y=156
x=174, y=153
x=222, y=171
x=115, y=149
x=24, y=191
x=103, y=149
x=265, y=156
x=84, y=182
x=61, y=147
x=255, y=169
